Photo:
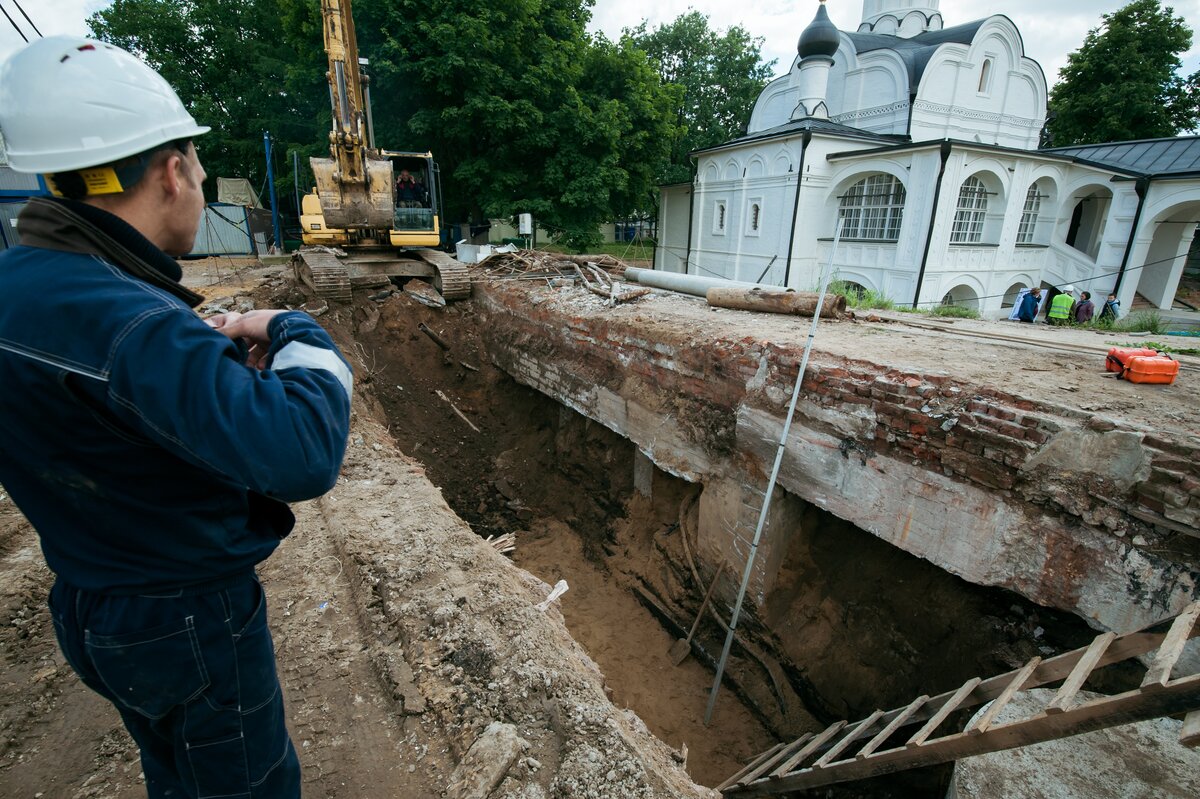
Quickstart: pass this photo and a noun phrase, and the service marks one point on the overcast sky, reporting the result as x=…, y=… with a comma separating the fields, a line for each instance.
x=1051, y=28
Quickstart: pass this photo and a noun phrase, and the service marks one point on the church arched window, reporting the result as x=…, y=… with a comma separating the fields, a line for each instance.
x=873, y=208
x=970, y=213
x=1029, y=215
x=985, y=76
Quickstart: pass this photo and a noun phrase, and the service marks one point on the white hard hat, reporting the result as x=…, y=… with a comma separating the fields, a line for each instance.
x=1069, y=289
x=69, y=103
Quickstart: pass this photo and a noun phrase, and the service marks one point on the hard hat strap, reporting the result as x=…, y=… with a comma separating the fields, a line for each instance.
x=109, y=178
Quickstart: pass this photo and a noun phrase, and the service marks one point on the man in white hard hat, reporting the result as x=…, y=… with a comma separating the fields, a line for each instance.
x=153, y=451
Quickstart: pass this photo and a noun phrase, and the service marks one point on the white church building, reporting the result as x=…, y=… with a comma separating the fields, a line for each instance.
x=924, y=140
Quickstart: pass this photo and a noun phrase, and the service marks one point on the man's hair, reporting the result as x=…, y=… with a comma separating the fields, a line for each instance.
x=129, y=171
x=1087, y=295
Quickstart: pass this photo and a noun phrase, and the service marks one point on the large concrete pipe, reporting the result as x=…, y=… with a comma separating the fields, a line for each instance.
x=686, y=284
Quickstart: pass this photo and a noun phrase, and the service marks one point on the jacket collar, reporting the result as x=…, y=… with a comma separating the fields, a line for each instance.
x=69, y=226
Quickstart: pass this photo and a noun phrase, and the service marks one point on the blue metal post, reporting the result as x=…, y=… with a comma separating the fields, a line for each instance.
x=274, y=203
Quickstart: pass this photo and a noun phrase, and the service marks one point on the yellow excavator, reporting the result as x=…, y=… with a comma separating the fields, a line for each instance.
x=378, y=207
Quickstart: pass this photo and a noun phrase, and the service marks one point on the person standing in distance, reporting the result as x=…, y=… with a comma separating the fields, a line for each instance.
x=152, y=451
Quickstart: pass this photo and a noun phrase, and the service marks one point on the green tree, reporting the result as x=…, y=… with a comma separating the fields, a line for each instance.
x=719, y=76
x=232, y=67
x=1124, y=82
x=524, y=111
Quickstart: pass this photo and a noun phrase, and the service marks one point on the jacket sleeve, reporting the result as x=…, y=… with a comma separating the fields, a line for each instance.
x=281, y=431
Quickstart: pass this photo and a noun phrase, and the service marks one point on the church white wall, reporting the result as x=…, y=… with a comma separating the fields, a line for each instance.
x=986, y=92
x=737, y=180
x=774, y=105
x=983, y=273
x=869, y=91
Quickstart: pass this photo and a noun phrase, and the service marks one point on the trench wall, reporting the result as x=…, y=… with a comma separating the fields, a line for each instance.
x=1066, y=508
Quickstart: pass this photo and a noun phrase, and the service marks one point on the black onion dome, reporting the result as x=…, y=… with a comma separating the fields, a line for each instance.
x=821, y=37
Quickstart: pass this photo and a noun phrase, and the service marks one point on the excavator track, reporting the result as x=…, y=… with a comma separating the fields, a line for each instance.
x=324, y=274
x=453, y=280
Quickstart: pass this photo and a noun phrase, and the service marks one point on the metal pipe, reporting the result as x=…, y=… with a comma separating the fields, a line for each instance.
x=1142, y=187
x=787, y=265
x=686, y=284
x=937, y=197
x=762, y=515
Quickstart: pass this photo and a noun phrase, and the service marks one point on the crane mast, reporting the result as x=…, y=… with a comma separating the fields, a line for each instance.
x=354, y=184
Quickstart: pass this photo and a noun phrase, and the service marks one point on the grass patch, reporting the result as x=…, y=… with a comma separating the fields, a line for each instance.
x=954, y=311
x=1156, y=345
x=860, y=298
x=1137, y=322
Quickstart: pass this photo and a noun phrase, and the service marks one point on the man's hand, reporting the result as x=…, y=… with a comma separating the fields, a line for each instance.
x=250, y=327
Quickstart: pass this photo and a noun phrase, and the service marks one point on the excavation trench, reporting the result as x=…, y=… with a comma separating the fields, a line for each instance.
x=851, y=623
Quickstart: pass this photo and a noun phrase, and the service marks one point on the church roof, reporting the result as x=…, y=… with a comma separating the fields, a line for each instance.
x=814, y=124
x=1176, y=156
x=917, y=50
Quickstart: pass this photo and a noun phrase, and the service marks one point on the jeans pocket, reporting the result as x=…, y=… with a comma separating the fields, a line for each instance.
x=150, y=671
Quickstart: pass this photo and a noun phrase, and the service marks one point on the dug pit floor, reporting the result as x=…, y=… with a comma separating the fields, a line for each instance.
x=401, y=635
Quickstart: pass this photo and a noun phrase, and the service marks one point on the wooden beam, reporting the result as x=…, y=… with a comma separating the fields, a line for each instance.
x=1083, y=669
x=949, y=707
x=983, y=722
x=1159, y=672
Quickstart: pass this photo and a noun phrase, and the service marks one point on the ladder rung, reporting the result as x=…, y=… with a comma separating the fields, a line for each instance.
x=1190, y=735
x=813, y=745
x=769, y=763
x=894, y=725
x=1087, y=662
x=1172, y=646
x=859, y=730
x=985, y=721
x=749, y=767
x=951, y=704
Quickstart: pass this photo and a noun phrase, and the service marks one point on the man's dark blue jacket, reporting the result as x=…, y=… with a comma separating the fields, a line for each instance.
x=134, y=438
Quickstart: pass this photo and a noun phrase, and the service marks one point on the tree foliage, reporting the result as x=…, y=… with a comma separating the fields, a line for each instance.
x=719, y=77
x=525, y=111
x=1124, y=82
x=231, y=65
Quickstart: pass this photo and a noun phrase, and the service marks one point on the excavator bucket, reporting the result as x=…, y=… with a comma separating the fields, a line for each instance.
x=353, y=204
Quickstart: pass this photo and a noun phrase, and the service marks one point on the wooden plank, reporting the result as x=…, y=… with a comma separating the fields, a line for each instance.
x=1178, y=696
x=894, y=725
x=983, y=722
x=859, y=730
x=1190, y=735
x=767, y=764
x=749, y=767
x=1083, y=669
x=813, y=745
x=949, y=707
x=1159, y=672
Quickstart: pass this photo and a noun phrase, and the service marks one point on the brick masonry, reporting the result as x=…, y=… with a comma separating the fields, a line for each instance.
x=1065, y=507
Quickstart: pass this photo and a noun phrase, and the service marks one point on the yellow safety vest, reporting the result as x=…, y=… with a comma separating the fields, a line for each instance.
x=1061, y=307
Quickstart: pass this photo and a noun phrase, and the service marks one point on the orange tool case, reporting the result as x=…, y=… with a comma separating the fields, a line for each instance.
x=1118, y=357
x=1151, y=369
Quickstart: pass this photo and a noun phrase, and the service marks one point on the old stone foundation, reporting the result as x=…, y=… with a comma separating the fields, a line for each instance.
x=1067, y=508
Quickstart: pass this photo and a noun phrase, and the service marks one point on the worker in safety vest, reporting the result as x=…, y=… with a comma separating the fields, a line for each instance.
x=152, y=451
x=1061, y=307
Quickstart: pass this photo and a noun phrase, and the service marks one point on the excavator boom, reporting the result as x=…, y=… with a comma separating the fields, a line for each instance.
x=354, y=184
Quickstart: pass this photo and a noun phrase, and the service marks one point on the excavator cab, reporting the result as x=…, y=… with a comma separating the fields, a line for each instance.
x=416, y=198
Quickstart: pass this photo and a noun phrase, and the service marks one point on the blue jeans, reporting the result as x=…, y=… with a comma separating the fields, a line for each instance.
x=193, y=677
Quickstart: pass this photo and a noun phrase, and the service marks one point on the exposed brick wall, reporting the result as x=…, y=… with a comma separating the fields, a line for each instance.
x=1079, y=534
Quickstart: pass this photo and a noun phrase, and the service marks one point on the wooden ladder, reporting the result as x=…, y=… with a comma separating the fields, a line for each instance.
x=862, y=749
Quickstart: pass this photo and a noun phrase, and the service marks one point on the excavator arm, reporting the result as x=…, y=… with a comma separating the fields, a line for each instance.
x=354, y=184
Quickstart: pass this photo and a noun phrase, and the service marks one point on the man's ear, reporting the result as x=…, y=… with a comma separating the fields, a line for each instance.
x=173, y=175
